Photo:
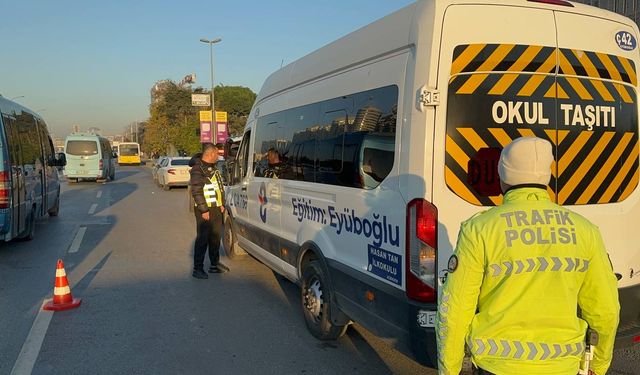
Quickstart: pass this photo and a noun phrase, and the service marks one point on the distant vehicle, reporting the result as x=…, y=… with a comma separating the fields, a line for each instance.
x=360, y=161
x=156, y=165
x=29, y=186
x=173, y=171
x=129, y=153
x=89, y=157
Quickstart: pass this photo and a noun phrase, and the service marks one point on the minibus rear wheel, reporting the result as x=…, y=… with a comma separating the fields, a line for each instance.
x=316, y=303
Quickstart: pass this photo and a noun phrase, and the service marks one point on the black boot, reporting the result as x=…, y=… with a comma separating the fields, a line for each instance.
x=200, y=274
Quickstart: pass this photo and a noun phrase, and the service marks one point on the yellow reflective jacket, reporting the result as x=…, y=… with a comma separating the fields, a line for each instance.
x=523, y=269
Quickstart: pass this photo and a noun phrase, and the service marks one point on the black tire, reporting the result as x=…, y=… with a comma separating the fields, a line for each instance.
x=30, y=232
x=229, y=240
x=316, y=303
x=55, y=210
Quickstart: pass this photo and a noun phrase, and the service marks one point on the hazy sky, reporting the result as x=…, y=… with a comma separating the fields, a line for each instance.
x=92, y=63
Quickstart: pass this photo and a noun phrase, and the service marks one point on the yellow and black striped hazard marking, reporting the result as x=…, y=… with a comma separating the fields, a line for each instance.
x=596, y=158
x=594, y=167
x=518, y=58
x=523, y=60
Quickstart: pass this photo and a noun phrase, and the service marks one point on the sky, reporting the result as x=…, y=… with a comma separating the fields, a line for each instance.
x=92, y=63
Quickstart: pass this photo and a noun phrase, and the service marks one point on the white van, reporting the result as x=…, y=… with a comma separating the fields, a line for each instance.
x=89, y=157
x=439, y=87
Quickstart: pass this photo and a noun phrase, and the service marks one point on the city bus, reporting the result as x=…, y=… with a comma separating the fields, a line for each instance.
x=129, y=153
x=389, y=139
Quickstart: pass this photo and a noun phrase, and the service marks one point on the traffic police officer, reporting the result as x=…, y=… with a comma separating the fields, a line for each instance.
x=208, y=193
x=518, y=275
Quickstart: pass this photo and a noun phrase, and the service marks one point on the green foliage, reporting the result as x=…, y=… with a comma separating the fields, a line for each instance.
x=174, y=121
x=237, y=102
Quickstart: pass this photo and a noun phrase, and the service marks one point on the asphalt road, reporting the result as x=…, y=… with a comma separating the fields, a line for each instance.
x=143, y=313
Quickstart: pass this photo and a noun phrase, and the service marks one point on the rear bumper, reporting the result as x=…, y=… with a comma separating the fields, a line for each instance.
x=629, y=327
x=91, y=174
x=178, y=183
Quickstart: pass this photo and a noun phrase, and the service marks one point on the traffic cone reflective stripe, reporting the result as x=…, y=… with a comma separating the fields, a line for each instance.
x=62, y=298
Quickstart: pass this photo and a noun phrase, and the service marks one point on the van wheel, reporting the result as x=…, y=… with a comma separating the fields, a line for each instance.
x=229, y=240
x=55, y=210
x=316, y=303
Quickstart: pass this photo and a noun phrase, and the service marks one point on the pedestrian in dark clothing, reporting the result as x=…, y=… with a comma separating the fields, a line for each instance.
x=208, y=193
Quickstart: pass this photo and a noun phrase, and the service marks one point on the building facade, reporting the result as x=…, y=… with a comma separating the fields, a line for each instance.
x=628, y=8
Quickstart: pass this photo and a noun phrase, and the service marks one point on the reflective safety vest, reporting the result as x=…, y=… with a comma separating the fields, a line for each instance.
x=517, y=276
x=213, y=192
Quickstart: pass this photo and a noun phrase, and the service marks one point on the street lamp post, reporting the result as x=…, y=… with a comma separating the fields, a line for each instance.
x=211, y=43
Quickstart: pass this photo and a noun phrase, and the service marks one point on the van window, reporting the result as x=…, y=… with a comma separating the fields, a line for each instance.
x=180, y=162
x=240, y=166
x=13, y=140
x=28, y=134
x=82, y=148
x=324, y=142
x=583, y=102
x=377, y=163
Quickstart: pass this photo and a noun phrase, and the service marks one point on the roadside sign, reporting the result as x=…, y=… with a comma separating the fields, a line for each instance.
x=205, y=132
x=206, y=116
x=221, y=116
x=222, y=132
x=201, y=100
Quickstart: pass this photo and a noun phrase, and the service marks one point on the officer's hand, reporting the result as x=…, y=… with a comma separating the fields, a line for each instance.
x=222, y=209
x=205, y=216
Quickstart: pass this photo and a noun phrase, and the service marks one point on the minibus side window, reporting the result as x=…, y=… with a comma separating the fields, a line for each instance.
x=28, y=133
x=267, y=129
x=12, y=140
x=240, y=168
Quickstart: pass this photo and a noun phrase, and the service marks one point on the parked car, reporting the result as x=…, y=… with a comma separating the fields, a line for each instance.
x=29, y=185
x=156, y=165
x=174, y=171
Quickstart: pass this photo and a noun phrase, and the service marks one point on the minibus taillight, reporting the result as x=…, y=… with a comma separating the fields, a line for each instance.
x=553, y=2
x=100, y=164
x=422, y=240
x=5, y=189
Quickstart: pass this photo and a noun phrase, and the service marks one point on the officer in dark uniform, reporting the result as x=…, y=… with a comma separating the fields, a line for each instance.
x=208, y=193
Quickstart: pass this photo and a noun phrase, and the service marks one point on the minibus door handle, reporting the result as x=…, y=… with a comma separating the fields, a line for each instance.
x=244, y=188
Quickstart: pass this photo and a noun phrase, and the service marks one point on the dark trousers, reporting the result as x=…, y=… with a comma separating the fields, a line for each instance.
x=208, y=236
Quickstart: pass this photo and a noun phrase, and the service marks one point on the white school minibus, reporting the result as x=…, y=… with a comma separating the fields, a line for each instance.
x=360, y=160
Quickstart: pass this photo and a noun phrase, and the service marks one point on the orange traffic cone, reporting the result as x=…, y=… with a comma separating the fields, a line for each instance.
x=62, y=298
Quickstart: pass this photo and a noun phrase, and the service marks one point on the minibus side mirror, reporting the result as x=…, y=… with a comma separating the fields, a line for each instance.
x=61, y=159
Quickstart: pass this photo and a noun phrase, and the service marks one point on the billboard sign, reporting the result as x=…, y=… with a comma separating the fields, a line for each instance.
x=200, y=100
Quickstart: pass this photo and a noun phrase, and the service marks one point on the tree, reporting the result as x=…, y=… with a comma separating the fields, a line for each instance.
x=173, y=121
x=237, y=102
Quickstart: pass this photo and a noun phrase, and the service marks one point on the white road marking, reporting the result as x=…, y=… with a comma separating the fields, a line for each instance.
x=32, y=345
x=99, y=195
x=92, y=210
x=75, y=245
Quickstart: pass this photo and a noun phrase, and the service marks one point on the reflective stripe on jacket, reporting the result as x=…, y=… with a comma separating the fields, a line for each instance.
x=213, y=192
x=523, y=269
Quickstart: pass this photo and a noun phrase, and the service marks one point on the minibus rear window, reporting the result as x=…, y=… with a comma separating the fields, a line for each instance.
x=82, y=148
